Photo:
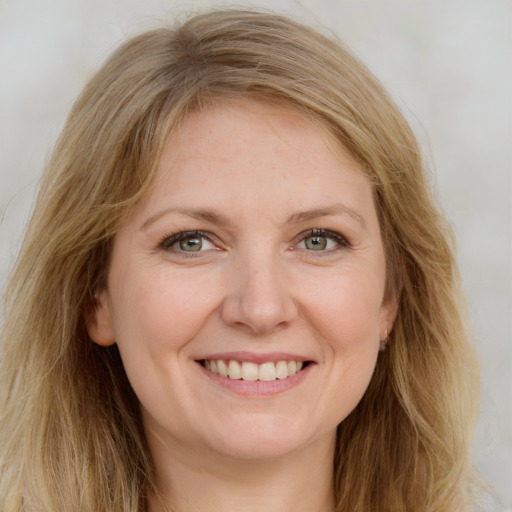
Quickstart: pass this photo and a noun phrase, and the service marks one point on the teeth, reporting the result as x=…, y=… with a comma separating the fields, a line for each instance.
x=223, y=369
x=249, y=371
x=252, y=371
x=281, y=370
x=267, y=372
x=292, y=368
x=234, y=370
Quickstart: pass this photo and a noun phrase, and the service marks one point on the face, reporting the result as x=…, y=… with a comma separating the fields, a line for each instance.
x=246, y=291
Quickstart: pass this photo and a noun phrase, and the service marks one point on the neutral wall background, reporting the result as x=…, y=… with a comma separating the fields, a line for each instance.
x=448, y=64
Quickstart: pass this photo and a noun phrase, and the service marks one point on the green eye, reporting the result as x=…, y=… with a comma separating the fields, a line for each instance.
x=191, y=244
x=315, y=243
x=187, y=241
x=322, y=240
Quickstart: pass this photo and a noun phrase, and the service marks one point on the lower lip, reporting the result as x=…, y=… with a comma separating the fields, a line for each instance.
x=258, y=387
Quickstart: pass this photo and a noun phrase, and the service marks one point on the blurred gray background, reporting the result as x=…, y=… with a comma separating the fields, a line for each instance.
x=446, y=62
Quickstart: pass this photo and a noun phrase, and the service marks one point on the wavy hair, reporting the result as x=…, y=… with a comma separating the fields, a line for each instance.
x=70, y=430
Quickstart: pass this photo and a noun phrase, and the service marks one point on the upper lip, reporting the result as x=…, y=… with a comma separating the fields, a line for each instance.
x=252, y=357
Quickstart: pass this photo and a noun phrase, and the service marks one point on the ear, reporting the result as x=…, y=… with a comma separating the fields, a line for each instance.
x=388, y=312
x=99, y=320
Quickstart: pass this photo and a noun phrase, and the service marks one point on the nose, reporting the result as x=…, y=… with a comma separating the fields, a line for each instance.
x=259, y=298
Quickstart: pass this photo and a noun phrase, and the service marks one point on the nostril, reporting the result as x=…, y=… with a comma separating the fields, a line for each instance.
x=259, y=305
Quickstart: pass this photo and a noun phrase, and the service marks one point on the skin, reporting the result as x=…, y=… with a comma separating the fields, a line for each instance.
x=257, y=289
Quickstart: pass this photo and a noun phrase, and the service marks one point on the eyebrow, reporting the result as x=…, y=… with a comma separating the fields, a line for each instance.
x=335, y=209
x=219, y=219
x=197, y=213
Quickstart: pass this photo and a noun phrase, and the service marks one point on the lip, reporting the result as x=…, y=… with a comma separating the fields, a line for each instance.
x=257, y=388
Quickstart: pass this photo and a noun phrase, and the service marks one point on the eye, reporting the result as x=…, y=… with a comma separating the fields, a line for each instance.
x=322, y=240
x=188, y=241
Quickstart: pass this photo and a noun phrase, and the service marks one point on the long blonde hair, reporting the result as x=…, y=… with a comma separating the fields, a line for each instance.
x=70, y=430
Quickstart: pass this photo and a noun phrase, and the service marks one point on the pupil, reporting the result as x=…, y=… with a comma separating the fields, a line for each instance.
x=191, y=244
x=316, y=243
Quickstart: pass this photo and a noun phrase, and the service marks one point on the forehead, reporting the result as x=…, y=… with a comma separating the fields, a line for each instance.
x=251, y=121
x=254, y=152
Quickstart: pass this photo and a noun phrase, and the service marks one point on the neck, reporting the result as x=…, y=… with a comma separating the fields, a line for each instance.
x=298, y=482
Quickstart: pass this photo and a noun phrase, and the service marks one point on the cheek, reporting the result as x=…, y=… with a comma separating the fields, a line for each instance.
x=161, y=312
x=347, y=320
x=346, y=308
x=156, y=318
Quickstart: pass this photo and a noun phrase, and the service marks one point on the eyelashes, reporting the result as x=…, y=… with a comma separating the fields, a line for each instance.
x=193, y=243
x=320, y=240
x=188, y=241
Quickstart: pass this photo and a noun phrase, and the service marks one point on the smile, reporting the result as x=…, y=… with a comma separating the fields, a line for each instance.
x=250, y=371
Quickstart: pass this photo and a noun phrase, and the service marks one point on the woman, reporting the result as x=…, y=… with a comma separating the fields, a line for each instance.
x=235, y=291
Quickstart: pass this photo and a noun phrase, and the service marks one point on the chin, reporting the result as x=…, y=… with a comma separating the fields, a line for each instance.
x=262, y=443
x=258, y=449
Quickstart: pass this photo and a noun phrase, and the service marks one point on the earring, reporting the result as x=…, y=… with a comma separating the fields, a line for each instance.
x=384, y=343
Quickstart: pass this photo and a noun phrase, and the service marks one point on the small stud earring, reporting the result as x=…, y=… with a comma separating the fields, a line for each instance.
x=384, y=343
